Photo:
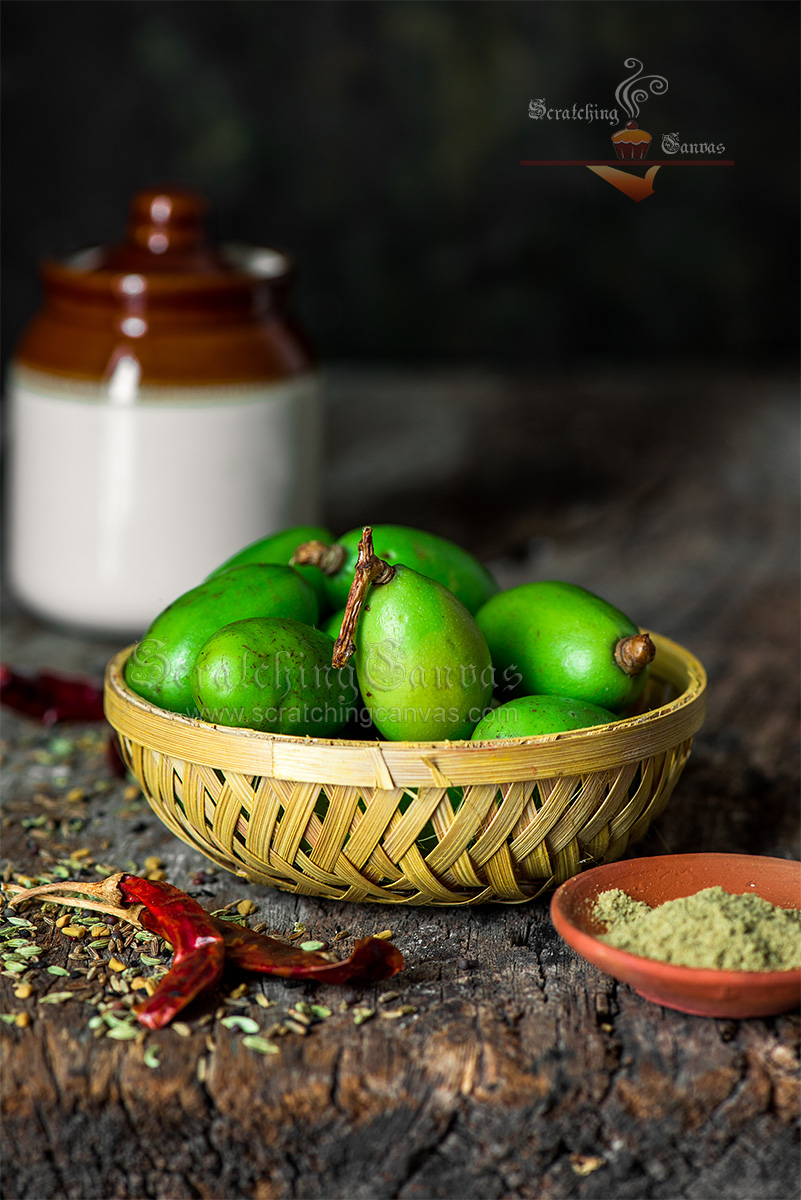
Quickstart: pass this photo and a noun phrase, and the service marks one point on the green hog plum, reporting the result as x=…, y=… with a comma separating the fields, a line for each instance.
x=533, y=716
x=273, y=675
x=160, y=667
x=422, y=664
x=560, y=639
x=279, y=548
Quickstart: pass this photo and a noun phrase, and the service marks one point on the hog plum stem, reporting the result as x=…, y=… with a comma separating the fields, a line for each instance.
x=369, y=570
x=317, y=554
x=633, y=654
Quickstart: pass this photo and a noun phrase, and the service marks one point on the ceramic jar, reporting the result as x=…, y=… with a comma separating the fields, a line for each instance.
x=163, y=415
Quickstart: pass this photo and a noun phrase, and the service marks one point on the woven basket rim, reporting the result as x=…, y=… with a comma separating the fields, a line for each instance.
x=393, y=764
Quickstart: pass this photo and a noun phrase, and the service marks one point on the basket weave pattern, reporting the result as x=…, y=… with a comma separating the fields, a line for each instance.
x=413, y=823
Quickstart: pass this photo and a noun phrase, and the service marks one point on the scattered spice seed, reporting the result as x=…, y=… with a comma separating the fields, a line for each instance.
x=151, y=1057
x=115, y=965
x=405, y=1010
x=259, y=1044
x=385, y=934
x=320, y=1011
x=200, y=1070
x=295, y=1026
x=57, y=971
x=264, y=1002
x=55, y=997
x=138, y=984
x=244, y=907
x=23, y=991
x=585, y=1164
x=22, y=1020
x=114, y=1018
x=153, y=863
x=181, y=1028
x=238, y=991
x=312, y=946
x=74, y=931
x=246, y=1024
x=386, y=997
x=122, y=1033
x=360, y=1015
x=62, y=921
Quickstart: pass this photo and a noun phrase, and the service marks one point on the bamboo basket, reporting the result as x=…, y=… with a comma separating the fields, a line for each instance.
x=431, y=823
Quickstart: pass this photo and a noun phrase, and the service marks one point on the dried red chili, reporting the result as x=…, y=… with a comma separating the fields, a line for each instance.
x=372, y=960
x=198, y=946
x=50, y=697
x=203, y=944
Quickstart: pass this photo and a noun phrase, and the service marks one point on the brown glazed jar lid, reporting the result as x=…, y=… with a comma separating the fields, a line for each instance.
x=190, y=312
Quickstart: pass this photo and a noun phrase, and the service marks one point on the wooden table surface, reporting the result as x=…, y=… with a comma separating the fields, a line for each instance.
x=522, y=1071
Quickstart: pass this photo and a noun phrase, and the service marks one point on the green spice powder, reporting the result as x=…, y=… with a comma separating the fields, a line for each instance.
x=712, y=929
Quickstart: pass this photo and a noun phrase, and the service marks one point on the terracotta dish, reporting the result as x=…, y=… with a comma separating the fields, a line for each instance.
x=706, y=993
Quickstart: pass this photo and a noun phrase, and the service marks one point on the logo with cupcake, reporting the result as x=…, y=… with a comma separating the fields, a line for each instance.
x=630, y=144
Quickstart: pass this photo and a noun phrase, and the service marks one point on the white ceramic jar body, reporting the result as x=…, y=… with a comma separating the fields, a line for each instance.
x=123, y=497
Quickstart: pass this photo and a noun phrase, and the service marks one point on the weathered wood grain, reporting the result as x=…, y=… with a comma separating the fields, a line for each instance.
x=524, y=1072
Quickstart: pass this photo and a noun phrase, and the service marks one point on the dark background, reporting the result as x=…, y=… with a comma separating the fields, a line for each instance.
x=380, y=144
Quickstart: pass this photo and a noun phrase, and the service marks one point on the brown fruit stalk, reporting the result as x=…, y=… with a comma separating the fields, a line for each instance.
x=369, y=570
x=634, y=653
